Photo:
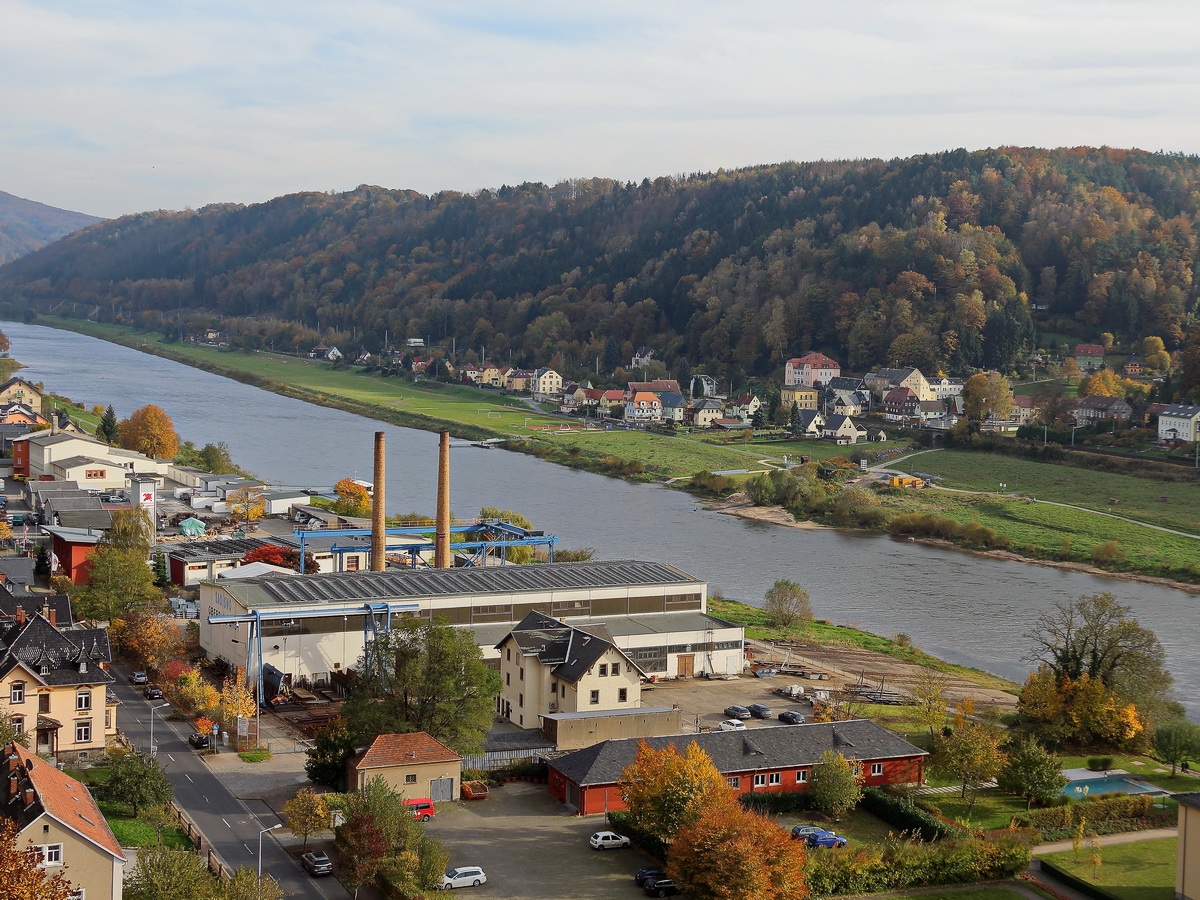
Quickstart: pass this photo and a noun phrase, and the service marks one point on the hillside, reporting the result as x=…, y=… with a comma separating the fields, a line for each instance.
x=952, y=259
x=26, y=226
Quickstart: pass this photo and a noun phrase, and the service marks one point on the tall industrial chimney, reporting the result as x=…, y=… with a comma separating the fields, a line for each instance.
x=378, y=527
x=441, y=546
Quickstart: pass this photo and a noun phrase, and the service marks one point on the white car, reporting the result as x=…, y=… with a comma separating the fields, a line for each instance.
x=462, y=877
x=732, y=725
x=608, y=840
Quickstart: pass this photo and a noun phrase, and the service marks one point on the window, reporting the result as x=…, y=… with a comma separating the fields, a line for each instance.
x=623, y=695
x=410, y=779
x=18, y=724
x=93, y=473
x=802, y=776
x=83, y=731
x=76, y=895
x=554, y=687
x=107, y=719
x=776, y=778
x=508, y=653
x=83, y=699
x=520, y=699
x=51, y=854
x=616, y=668
x=43, y=703
x=760, y=780
x=16, y=692
x=595, y=697
x=734, y=782
x=603, y=670
x=876, y=769
x=521, y=672
x=351, y=563
x=508, y=677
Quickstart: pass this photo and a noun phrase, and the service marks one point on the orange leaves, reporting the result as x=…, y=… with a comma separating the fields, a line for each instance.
x=149, y=430
x=665, y=790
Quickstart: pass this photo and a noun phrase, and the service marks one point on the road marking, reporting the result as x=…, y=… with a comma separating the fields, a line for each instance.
x=172, y=759
x=227, y=825
x=188, y=777
x=248, y=850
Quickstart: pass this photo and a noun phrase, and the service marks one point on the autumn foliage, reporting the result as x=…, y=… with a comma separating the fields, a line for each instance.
x=149, y=430
x=666, y=790
x=21, y=873
x=1079, y=711
x=150, y=638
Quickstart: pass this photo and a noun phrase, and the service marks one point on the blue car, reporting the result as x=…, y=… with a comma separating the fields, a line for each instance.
x=824, y=838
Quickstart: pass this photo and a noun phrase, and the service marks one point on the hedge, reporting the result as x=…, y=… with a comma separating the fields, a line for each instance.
x=655, y=846
x=905, y=815
x=778, y=803
x=1102, y=809
x=901, y=864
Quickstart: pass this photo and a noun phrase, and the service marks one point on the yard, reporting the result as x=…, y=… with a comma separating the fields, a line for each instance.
x=1144, y=870
x=858, y=827
x=993, y=808
x=129, y=830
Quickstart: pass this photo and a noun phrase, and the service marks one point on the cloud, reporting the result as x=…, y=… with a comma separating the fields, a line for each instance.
x=120, y=107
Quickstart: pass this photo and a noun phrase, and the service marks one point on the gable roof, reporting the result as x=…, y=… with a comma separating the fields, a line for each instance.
x=1092, y=351
x=57, y=795
x=1095, y=401
x=845, y=383
x=660, y=384
x=569, y=649
x=1180, y=411
x=36, y=644
x=816, y=360
x=413, y=749
x=773, y=747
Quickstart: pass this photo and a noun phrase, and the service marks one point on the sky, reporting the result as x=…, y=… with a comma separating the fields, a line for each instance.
x=123, y=106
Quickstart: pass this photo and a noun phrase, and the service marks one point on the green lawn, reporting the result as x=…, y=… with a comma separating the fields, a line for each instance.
x=858, y=827
x=985, y=893
x=1144, y=870
x=1139, y=498
x=993, y=808
x=133, y=832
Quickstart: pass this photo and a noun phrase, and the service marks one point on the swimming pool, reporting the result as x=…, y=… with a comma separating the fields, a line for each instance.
x=1110, y=784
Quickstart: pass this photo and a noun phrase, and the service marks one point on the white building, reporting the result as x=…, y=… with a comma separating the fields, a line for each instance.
x=315, y=625
x=1178, y=423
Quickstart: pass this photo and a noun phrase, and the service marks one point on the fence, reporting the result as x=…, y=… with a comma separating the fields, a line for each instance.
x=498, y=759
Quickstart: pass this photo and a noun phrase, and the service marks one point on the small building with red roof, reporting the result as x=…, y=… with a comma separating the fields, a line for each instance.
x=58, y=815
x=811, y=370
x=415, y=765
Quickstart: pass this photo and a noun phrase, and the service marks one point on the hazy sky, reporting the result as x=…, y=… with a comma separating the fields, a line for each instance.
x=126, y=105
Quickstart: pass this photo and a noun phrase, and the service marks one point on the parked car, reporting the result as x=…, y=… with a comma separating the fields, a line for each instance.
x=138, y=678
x=422, y=809
x=316, y=863
x=463, y=876
x=824, y=838
x=801, y=832
x=759, y=711
x=660, y=887
x=731, y=725
x=200, y=741
x=648, y=874
x=608, y=840
x=737, y=712
x=17, y=518
x=791, y=717
x=152, y=692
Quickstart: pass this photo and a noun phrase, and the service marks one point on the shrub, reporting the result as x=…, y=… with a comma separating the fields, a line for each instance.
x=777, y=803
x=1094, y=812
x=653, y=845
x=1100, y=763
x=1107, y=553
x=905, y=815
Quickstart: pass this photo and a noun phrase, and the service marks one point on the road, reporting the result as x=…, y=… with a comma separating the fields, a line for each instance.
x=228, y=825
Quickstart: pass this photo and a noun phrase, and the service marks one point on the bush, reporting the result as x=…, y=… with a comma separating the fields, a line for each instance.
x=655, y=846
x=1107, y=553
x=1100, y=763
x=905, y=815
x=1094, y=812
x=778, y=803
x=713, y=484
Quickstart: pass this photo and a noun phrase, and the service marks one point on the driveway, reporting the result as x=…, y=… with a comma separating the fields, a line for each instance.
x=530, y=846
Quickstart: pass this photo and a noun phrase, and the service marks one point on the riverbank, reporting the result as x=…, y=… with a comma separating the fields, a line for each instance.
x=1053, y=537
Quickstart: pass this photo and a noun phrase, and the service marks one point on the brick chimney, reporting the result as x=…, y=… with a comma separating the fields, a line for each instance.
x=20, y=616
x=28, y=797
x=51, y=614
x=12, y=787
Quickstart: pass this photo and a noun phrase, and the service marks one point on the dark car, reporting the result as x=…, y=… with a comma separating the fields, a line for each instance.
x=759, y=711
x=824, y=838
x=791, y=717
x=660, y=887
x=648, y=874
x=317, y=863
x=152, y=692
x=199, y=741
x=138, y=677
x=737, y=712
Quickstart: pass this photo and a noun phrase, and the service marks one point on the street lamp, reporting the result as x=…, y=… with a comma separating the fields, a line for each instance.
x=260, y=834
x=154, y=749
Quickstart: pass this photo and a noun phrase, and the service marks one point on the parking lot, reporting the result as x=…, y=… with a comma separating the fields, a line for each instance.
x=703, y=702
x=530, y=846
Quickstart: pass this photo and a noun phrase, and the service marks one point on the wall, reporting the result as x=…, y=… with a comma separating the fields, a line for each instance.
x=84, y=864
x=1187, y=862
x=396, y=776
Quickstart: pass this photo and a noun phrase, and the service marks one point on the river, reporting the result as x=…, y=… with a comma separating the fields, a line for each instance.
x=959, y=606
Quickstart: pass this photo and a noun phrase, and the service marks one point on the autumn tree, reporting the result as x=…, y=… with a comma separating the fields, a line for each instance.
x=666, y=790
x=970, y=754
x=21, y=870
x=152, y=639
x=929, y=698
x=160, y=873
x=1080, y=712
x=1032, y=773
x=150, y=431
x=235, y=700
x=192, y=691
x=9, y=732
x=352, y=499
x=131, y=529
x=363, y=850
x=307, y=813
x=326, y=762
x=835, y=784
x=247, y=504
x=138, y=781
x=786, y=604
x=421, y=676
x=247, y=884
x=1102, y=383
x=730, y=853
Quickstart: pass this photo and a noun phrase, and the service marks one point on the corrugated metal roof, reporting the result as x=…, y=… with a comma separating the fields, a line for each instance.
x=364, y=586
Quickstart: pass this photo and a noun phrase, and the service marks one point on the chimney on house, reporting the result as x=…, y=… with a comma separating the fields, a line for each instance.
x=52, y=615
x=441, y=546
x=378, y=525
x=20, y=615
x=28, y=797
x=46, y=609
x=12, y=787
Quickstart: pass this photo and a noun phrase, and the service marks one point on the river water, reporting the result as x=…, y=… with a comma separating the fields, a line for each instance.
x=959, y=606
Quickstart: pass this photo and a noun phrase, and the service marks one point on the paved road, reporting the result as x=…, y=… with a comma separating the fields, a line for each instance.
x=228, y=825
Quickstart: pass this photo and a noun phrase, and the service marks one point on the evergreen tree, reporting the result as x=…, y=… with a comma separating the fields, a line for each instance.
x=109, y=430
x=612, y=356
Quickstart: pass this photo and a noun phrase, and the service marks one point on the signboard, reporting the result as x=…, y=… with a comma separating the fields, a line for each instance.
x=144, y=496
x=216, y=729
x=243, y=726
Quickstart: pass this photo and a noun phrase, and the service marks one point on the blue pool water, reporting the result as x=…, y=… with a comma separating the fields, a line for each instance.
x=1112, y=784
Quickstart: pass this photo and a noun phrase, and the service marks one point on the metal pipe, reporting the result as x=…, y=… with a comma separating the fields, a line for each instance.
x=378, y=525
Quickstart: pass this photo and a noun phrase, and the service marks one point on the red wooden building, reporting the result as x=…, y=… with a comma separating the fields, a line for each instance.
x=72, y=547
x=758, y=759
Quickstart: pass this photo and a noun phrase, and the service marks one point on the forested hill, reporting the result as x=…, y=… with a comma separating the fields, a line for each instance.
x=949, y=259
x=26, y=225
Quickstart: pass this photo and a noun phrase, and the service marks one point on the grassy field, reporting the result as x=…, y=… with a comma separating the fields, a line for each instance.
x=1144, y=870
x=859, y=827
x=1138, y=498
x=993, y=808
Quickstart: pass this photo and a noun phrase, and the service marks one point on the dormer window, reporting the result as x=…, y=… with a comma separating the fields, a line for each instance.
x=44, y=668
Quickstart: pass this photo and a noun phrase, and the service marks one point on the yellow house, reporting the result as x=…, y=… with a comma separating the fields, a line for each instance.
x=415, y=765
x=57, y=815
x=548, y=666
x=1187, y=854
x=803, y=397
x=54, y=683
x=18, y=390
